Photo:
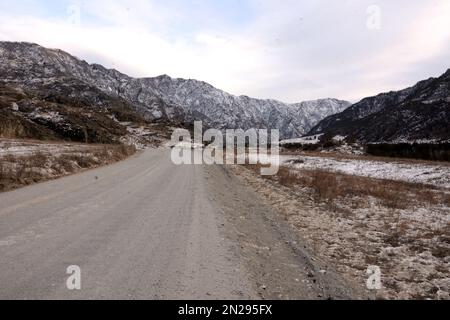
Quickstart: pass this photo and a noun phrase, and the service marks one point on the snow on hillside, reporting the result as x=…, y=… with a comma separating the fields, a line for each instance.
x=221, y=110
x=164, y=98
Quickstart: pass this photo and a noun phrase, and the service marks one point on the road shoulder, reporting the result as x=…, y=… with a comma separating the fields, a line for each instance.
x=279, y=264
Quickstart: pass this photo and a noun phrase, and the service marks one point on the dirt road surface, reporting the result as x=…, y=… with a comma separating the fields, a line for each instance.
x=147, y=229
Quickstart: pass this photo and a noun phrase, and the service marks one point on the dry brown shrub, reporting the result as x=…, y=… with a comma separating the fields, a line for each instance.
x=126, y=150
x=9, y=158
x=82, y=160
x=328, y=186
x=18, y=170
x=287, y=177
x=325, y=185
x=38, y=159
x=445, y=199
x=2, y=170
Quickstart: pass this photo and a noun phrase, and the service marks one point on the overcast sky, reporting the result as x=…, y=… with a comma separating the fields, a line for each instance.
x=287, y=50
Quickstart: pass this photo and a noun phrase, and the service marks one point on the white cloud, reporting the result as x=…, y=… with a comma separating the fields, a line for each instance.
x=289, y=50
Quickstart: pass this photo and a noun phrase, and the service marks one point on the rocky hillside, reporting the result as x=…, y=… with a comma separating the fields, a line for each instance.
x=57, y=111
x=421, y=112
x=48, y=72
x=218, y=109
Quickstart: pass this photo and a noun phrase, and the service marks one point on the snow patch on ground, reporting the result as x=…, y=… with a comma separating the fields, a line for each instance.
x=24, y=162
x=25, y=148
x=418, y=141
x=304, y=140
x=438, y=175
x=52, y=116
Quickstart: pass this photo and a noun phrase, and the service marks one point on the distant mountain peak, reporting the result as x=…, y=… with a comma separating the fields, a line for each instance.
x=163, y=98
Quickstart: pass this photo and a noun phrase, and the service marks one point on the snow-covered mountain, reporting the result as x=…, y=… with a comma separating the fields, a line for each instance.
x=162, y=98
x=421, y=112
x=218, y=109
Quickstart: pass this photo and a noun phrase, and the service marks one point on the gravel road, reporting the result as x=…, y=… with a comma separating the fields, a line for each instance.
x=147, y=229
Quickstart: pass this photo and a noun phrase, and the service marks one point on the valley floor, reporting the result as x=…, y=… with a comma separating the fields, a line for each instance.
x=144, y=228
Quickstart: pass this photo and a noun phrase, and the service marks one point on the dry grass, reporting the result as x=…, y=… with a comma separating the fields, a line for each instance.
x=331, y=186
x=21, y=170
x=287, y=177
x=354, y=222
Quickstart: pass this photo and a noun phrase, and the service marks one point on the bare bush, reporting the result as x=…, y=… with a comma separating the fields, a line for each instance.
x=20, y=169
x=82, y=160
x=38, y=159
x=126, y=150
x=287, y=177
x=325, y=185
x=2, y=170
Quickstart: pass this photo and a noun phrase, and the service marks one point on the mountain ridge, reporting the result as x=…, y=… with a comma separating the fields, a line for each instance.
x=419, y=112
x=164, y=98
